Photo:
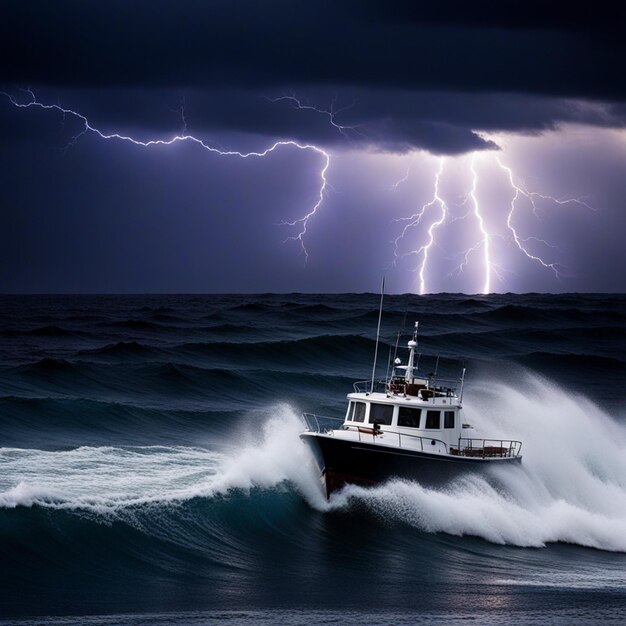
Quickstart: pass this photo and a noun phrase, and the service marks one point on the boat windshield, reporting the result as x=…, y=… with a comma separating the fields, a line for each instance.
x=356, y=412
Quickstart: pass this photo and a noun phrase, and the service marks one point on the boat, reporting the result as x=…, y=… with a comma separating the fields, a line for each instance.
x=408, y=426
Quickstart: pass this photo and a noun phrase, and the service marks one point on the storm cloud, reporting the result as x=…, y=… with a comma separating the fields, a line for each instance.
x=384, y=88
x=403, y=75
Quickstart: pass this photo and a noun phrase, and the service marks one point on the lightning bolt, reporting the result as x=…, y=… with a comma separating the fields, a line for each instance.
x=181, y=110
x=485, y=240
x=331, y=113
x=402, y=180
x=444, y=214
x=484, y=237
x=519, y=191
x=436, y=209
x=302, y=223
x=415, y=220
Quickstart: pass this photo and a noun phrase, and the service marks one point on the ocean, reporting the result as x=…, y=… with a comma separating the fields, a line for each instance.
x=151, y=470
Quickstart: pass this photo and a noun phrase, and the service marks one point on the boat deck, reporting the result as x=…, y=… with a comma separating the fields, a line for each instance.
x=386, y=437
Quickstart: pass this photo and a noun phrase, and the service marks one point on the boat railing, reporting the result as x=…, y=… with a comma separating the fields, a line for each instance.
x=321, y=423
x=365, y=386
x=437, y=388
x=487, y=448
x=407, y=440
x=468, y=447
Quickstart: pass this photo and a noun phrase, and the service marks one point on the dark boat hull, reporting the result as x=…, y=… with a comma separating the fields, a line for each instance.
x=344, y=462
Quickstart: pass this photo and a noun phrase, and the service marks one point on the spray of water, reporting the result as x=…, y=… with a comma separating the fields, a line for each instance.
x=110, y=480
x=571, y=486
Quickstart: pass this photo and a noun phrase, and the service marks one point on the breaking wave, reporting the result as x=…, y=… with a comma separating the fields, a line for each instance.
x=145, y=462
x=571, y=486
x=107, y=480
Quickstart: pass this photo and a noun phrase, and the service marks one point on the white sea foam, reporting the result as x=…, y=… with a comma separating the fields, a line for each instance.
x=571, y=486
x=102, y=478
x=109, y=479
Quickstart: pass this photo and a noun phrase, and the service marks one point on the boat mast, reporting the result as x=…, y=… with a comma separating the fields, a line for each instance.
x=412, y=345
x=380, y=314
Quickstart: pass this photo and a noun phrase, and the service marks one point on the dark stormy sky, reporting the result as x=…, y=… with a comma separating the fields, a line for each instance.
x=501, y=123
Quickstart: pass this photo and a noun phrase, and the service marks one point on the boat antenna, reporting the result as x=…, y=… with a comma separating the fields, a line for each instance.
x=462, y=383
x=380, y=314
x=435, y=376
x=400, y=332
x=388, y=365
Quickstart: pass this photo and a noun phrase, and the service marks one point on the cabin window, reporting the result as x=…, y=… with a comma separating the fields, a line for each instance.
x=350, y=412
x=381, y=414
x=409, y=417
x=448, y=419
x=433, y=419
x=358, y=415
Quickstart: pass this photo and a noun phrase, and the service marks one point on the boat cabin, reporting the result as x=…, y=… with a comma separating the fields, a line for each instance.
x=413, y=412
x=439, y=419
x=407, y=425
x=405, y=404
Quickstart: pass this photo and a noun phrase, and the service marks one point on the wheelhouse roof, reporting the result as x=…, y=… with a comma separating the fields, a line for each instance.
x=401, y=400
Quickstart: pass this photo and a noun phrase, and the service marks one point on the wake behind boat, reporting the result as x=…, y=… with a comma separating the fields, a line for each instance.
x=407, y=426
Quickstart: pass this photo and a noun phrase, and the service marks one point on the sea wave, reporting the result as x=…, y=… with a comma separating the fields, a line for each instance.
x=109, y=479
x=570, y=488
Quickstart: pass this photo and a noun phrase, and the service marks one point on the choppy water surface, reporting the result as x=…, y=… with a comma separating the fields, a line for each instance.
x=151, y=471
